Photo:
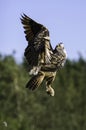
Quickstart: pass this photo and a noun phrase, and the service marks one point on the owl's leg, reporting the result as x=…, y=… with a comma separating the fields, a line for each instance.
x=49, y=89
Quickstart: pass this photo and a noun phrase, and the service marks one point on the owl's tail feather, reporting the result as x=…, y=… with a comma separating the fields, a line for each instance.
x=35, y=81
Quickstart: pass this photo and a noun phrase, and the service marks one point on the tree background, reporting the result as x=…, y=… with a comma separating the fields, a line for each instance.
x=21, y=109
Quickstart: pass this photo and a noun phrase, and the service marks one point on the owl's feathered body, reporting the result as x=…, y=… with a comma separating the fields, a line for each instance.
x=43, y=61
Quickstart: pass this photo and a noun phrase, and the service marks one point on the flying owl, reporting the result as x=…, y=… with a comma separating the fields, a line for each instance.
x=43, y=60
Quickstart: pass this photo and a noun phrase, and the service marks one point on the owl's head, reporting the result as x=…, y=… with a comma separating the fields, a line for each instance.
x=60, y=49
x=60, y=46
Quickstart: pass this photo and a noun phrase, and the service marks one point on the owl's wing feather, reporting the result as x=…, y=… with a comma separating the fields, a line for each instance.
x=31, y=27
x=39, y=47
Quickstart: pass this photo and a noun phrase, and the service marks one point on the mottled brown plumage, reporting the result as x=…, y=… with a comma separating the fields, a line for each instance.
x=43, y=61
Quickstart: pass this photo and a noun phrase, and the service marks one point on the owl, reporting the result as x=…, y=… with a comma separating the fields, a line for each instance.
x=43, y=60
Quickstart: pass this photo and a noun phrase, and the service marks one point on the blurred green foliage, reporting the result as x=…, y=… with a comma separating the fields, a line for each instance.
x=22, y=109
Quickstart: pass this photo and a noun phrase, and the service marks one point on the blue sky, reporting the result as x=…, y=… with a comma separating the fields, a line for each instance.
x=65, y=19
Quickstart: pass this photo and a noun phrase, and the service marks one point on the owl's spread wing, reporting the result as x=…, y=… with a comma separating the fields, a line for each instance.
x=39, y=48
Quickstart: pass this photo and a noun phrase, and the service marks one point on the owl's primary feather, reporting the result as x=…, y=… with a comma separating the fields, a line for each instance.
x=39, y=48
x=42, y=59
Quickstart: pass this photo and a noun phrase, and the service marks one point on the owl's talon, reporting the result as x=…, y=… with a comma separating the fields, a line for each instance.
x=50, y=91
